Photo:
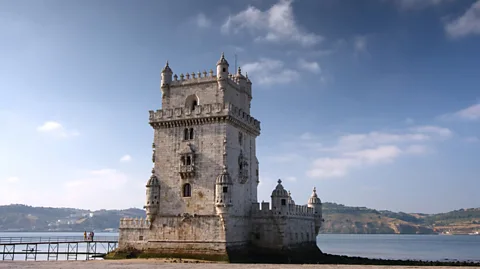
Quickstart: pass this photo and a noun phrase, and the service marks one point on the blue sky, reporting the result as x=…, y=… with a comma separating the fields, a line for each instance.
x=376, y=103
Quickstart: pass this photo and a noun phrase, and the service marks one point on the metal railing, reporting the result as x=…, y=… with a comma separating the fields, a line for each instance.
x=55, y=239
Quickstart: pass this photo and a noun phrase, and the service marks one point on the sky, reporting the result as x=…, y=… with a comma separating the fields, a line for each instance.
x=375, y=103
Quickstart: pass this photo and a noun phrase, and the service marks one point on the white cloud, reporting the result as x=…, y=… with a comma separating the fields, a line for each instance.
x=56, y=129
x=439, y=131
x=268, y=72
x=276, y=24
x=419, y=4
x=285, y=158
x=291, y=179
x=108, y=186
x=374, y=148
x=416, y=149
x=467, y=24
x=469, y=113
x=312, y=67
x=126, y=158
x=307, y=136
x=12, y=179
x=202, y=21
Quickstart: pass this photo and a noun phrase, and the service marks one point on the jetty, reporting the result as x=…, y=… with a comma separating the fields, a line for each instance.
x=70, y=247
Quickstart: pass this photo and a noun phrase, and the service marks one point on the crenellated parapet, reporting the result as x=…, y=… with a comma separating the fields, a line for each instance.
x=202, y=114
x=134, y=223
x=263, y=209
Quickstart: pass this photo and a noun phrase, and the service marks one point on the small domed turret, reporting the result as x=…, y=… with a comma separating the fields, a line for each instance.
x=166, y=75
x=279, y=197
x=315, y=203
x=153, y=197
x=242, y=80
x=223, y=192
x=222, y=68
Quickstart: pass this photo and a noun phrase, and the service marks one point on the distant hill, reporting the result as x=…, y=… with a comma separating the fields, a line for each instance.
x=361, y=220
x=338, y=219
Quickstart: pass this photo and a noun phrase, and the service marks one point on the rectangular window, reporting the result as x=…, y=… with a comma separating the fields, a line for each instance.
x=284, y=202
x=225, y=189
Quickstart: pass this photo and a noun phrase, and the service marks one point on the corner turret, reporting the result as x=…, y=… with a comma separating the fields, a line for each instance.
x=222, y=72
x=153, y=193
x=242, y=80
x=166, y=80
x=279, y=198
x=315, y=203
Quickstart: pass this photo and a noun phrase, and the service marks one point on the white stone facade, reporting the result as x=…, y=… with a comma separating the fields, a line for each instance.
x=202, y=196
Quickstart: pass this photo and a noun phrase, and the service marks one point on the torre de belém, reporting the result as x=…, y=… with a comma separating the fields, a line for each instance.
x=201, y=199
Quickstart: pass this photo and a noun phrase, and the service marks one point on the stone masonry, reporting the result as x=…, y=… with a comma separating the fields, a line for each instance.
x=201, y=199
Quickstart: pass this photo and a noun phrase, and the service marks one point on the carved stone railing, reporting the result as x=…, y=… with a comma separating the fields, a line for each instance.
x=204, y=113
x=187, y=171
x=134, y=223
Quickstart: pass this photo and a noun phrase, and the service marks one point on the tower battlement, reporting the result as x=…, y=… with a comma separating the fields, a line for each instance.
x=166, y=117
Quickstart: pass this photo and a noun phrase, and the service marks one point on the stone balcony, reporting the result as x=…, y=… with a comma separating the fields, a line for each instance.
x=187, y=171
x=204, y=114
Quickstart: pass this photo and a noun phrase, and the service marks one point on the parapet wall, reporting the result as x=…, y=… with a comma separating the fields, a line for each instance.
x=202, y=77
x=292, y=210
x=203, y=111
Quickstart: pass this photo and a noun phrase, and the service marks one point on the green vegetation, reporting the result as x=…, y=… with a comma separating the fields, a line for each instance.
x=345, y=219
x=338, y=219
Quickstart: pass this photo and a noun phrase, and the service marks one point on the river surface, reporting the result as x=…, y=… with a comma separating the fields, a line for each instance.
x=413, y=247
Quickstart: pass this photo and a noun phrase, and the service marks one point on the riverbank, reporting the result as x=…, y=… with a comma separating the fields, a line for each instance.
x=151, y=263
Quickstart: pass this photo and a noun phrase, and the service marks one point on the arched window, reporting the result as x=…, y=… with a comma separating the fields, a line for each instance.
x=191, y=133
x=187, y=190
x=185, y=134
x=191, y=102
x=189, y=160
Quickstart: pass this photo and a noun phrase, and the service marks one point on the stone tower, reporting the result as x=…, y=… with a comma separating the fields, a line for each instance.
x=201, y=198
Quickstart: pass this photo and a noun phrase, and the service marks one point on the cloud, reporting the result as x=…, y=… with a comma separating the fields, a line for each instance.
x=291, y=179
x=202, y=21
x=312, y=67
x=12, y=179
x=275, y=25
x=56, y=129
x=126, y=158
x=419, y=4
x=439, y=131
x=409, y=121
x=472, y=139
x=108, y=187
x=284, y=158
x=360, y=44
x=469, y=113
x=374, y=148
x=269, y=71
x=467, y=24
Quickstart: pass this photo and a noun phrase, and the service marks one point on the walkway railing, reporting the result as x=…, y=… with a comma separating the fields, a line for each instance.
x=55, y=239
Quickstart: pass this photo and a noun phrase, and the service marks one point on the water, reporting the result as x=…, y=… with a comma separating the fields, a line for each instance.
x=414, y=247
x=403, y=247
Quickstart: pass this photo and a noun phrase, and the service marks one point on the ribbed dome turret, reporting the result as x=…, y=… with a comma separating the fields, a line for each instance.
x=279, y=191
x=222, y=60
x=290, y=199
x=224, y=177
x=314, y=198
x=239, y=74
x=153, y=181
x=167, y=69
